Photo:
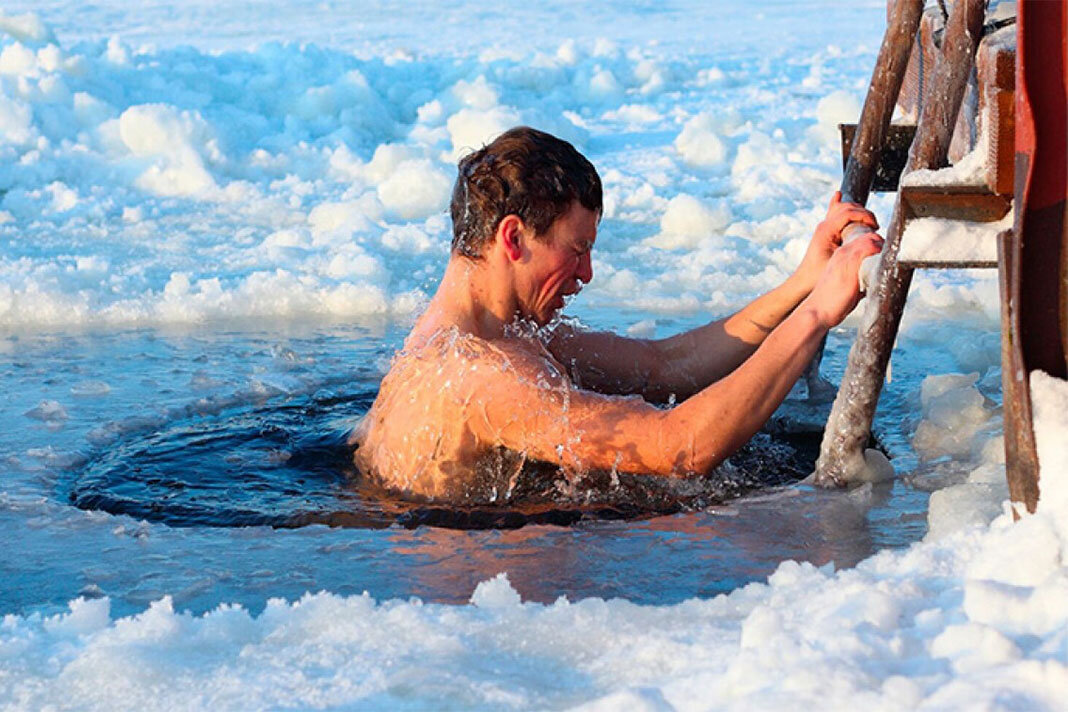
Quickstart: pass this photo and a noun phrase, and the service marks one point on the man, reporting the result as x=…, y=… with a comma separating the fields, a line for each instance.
x=488, y=386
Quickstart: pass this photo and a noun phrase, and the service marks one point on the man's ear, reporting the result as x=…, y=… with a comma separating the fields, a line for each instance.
x=510, y=236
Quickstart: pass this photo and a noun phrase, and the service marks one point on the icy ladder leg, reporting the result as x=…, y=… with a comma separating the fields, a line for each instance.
x=842, y=455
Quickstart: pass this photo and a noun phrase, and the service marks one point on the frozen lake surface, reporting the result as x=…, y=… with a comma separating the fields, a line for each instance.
x=217, y=221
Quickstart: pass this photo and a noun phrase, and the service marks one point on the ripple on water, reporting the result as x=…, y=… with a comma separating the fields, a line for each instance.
x=285, y=464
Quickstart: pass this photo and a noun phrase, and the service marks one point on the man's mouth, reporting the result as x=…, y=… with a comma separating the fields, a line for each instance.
x=560, y=300
x=569, y=292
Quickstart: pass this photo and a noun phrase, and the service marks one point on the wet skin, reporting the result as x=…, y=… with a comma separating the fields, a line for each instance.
x=560, y=266
x=486, y=382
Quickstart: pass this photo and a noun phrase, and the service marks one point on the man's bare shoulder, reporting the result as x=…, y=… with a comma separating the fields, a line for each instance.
x=509, y=361
x=455, y=360
x=449, y=399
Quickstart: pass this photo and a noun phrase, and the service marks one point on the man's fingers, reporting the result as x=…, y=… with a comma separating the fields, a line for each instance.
x=870, y=244
x=849, y=229
x=858, y=215
x=857, y=250
x=867, y=217
x=835, y=199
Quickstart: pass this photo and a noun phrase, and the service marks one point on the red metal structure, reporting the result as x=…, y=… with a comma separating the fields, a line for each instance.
x=1034, y=255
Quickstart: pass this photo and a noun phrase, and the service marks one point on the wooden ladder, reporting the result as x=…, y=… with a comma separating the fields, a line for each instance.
x=844, y=457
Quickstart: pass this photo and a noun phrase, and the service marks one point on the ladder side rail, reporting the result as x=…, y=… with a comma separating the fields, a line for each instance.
x=885, y=85
x=879, y=102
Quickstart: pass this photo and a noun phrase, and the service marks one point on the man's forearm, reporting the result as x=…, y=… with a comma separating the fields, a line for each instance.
x=718, y=420
x=753, y=322
x=699, y=357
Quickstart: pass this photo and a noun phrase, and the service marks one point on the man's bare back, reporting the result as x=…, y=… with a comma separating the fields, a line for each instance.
x=449, y=423
x=485, y=387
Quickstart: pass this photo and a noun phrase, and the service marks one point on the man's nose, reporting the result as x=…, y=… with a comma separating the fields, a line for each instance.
x=585, y=269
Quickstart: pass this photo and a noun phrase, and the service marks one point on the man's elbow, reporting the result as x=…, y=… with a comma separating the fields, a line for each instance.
x=688, y=450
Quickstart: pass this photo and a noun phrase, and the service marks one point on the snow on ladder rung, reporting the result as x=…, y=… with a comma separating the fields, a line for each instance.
x=952, y=226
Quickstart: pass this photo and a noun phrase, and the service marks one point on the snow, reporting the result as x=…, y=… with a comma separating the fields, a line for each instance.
x=969, y=170
x=943, y=240
x=165, y=171
x=947, y=624
x=109, y=142
x=1049, y=397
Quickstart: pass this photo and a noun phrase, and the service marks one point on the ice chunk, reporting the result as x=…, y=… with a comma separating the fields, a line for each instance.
x=47, y=410
x=416, y=189
x=16, y=59
x=16, y=121
x=497, y=592
x=175, y=143
x=26, y=28
x=958, y=507
x=479, y=94
x=954, y=411
x=470, y=129
x=699, y=143
x=689, y=222
x=387, y=159
x=838, y=107
x=90, y=389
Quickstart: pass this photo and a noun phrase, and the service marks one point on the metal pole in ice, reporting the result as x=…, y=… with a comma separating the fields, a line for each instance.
x=843, y=457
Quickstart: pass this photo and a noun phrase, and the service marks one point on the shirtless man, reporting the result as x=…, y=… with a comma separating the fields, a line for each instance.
x=487, y=383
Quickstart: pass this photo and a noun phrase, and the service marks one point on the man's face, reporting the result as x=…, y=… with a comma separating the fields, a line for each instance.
x=559, y=267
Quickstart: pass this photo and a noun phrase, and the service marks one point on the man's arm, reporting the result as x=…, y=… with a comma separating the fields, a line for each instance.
x=528, y=406
x=684, y=364
x=679, y=365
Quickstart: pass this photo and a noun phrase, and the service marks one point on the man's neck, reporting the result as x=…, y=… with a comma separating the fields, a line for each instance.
x=473, y=297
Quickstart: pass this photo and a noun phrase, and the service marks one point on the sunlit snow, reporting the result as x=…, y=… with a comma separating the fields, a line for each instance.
x=207, y=207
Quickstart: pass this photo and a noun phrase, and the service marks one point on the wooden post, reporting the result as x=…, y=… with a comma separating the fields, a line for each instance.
x=842, y=453
x=871, y=136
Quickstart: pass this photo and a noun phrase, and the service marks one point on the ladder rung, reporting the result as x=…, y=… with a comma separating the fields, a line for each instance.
x=973, y=203
x=948, y=264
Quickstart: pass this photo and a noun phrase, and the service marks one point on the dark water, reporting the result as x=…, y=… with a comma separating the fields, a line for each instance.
x=285, y=464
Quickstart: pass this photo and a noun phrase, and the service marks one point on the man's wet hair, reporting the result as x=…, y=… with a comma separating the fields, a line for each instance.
x=523, y=172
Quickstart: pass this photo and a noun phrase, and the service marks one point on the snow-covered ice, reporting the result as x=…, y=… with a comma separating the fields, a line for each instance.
x=212, y=205
x=294, y=180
